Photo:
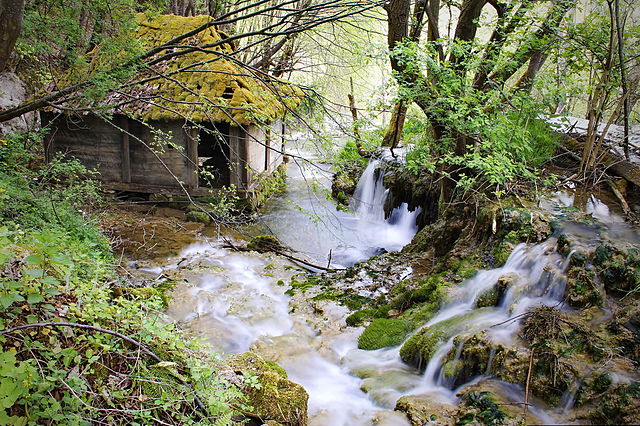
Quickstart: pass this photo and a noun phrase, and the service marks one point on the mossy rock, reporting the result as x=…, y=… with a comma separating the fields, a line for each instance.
x=198, y=216
x=489, y=297
x=418, y=350
x=501, y=253
x=620, y=405
x=517, y=225
x=423, y=410
x=382, y=333
x=582, y=288
x=618, y=269
x=264, y=243
x=144, y=293
x=420, y=347
x=494, y=294
x=417, y=290
x=275, y=398
x=476, y=355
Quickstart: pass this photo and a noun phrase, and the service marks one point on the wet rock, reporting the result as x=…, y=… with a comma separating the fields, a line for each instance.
x=382, y=333
x=583, y=289
x=417, y=290
x=619, y=268
x=518, y=225
x=473, y=356
x=416, y=190
x=345, y=182
x=624, y=330
x=620, y=405
x=479, y=407
x=264, y=243
x=494, y=295
x=198, y=216
x=272, y=396
x=501, y=253
x=420, y=348
x=424, y=410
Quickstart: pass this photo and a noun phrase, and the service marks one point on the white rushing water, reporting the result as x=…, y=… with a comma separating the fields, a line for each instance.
x=306, y=219
x=236, y=303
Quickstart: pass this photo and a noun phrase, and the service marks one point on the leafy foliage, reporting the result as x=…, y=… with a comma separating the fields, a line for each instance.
x=505, y=139
x=56, y=265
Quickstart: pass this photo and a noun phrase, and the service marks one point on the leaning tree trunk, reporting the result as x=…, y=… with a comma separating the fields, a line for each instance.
x=11, y=12
x=396, y=124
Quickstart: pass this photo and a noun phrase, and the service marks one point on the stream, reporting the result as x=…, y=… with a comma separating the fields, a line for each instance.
x=237, y=301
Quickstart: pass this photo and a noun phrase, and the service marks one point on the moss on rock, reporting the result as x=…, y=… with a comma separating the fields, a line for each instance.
x=582, y=288
x=382, y=333
x=199, y=217
x=423, y=410
x=273, y=397
x=264, y=243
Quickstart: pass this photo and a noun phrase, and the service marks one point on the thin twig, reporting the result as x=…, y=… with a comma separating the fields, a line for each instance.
x=526, y=389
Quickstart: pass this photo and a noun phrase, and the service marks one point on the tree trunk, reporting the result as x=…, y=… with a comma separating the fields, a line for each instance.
x=354, y=115
x=535, y=63
x=11, y=13
x=396, y=124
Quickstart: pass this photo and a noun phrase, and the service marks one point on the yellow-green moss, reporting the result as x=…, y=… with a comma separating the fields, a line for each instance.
x=272, y=396
x=203, y=85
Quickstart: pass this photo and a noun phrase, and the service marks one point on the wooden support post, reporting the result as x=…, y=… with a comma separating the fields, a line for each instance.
x=125, y=151
x=192, y=137
x=237, y=155
x=267, y=149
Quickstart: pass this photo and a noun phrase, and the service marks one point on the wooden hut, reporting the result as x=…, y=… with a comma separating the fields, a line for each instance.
x=191, y=112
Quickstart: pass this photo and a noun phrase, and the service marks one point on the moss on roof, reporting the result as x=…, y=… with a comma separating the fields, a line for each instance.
x=202, y=85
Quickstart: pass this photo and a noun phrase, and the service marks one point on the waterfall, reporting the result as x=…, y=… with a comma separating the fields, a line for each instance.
x=375, y=233
x=536, y=278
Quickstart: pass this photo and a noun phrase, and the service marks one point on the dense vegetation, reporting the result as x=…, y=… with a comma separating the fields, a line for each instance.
x=470, y=104
x=79, y=353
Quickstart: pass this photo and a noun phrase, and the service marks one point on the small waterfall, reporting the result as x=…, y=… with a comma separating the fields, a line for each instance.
x=375, y=233
x=536, y=279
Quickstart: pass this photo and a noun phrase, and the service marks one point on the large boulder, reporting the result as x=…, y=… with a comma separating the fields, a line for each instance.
x=12, y=94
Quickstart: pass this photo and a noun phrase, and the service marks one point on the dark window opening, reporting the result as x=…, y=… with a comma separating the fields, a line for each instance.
x=228, y=93
x=213, y=155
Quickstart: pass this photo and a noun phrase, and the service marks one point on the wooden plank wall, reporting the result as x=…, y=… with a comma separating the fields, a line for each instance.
x=94, y=142
x=120, y=158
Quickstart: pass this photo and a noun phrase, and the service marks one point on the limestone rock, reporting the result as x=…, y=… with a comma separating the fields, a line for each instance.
x=424, y=410
x=12, y=94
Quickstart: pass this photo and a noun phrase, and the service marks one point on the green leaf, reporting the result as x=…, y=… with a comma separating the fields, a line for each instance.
x=7, y=299
x=34, y=259
x=34, y=298
x=34, y=273
x=62, y=259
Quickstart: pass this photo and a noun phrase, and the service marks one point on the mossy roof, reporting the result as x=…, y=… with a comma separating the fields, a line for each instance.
x=202, y=85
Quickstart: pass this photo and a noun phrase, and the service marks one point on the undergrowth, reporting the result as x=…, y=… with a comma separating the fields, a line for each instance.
x=131, y=365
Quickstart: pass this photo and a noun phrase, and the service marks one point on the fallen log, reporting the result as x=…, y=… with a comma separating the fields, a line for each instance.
x=613, y=162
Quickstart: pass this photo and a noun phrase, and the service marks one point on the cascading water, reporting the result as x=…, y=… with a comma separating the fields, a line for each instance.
x=536, y=278
x=376, y=233
x=305, y=220
x=237, y=304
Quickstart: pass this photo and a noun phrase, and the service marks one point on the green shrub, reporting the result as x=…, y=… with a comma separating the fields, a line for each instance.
x=56, y=265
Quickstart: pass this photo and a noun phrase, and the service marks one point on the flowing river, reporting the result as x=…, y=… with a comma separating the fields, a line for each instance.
x=237, y=301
